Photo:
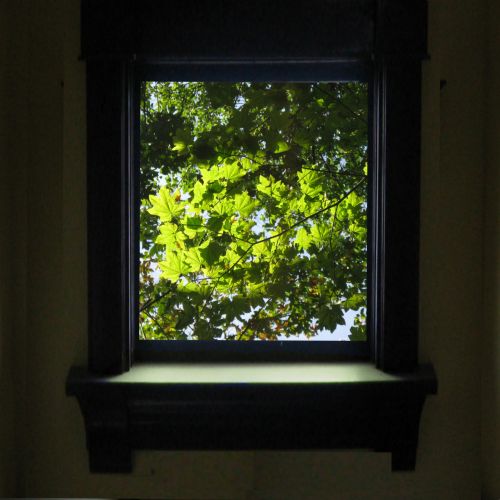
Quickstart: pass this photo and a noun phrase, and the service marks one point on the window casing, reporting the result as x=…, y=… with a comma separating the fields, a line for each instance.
x=384, y=39
x=380, y=38
x=261, y=71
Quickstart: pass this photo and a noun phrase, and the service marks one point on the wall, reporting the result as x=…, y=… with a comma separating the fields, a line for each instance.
x=43, y=290
x=6, y=371
x=13, y=209
x=490, y=356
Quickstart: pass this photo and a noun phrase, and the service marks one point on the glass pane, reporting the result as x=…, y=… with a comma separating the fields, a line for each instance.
x=253, y=215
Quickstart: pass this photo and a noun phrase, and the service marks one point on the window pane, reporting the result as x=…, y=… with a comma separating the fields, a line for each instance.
x=253, y=215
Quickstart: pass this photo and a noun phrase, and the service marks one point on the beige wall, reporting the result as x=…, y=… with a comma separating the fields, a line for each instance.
x=43, y=290
x=6, y=372
x=490, y=360
x=13, y=210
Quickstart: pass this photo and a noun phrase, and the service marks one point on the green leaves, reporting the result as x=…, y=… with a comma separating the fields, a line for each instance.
x=271, y=187
x=174, y=266
x=310, y=182
x=244, y=204
x=165, y=205
x=264, y=185
x=194, y=259
x=253, y=219
x=231, y=172
x=330, y=316
x=303, y=239
x=281, y=147
x=210, y=251
x=182, y=139
x=320, y=233
x=170, y=236
x=214, y=223
x=226, y=172
x=193, y=225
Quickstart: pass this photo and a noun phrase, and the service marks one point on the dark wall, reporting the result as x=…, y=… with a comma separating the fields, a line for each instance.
x=43, y=283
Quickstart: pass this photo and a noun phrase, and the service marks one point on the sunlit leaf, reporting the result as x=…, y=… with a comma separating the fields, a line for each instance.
x=174, y=266
x=171, y=236
x=244, y=204
x=310, y=182
x=303, y=239
x=194, y=259
x=165, y=205
x=232, y=172
x=281, y=147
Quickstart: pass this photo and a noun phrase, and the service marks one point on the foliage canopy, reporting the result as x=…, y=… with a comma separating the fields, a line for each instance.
x=253, y=211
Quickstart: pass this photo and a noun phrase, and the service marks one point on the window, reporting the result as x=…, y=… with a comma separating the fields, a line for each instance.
x=374, y=398
x=253, y=217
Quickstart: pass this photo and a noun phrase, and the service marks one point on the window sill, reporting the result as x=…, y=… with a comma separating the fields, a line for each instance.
x=247, y=406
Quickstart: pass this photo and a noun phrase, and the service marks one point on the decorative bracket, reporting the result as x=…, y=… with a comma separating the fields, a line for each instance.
x=368, y=409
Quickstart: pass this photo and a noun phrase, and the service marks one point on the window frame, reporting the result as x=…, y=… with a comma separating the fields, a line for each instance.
x=235, y=70
x=373, y=404
x=391, y=41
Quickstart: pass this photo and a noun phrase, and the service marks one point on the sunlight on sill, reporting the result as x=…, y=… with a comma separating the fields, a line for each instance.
x=255, y=373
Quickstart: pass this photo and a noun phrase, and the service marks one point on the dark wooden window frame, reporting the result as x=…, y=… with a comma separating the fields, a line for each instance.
x=234, y=71
x=123, y=413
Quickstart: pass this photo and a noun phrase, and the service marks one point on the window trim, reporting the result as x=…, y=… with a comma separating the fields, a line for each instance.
x=119, y=34
x=236, y=70
x=392, y=36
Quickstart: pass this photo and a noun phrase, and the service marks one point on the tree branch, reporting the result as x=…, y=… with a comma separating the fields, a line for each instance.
x=353, y=113
x=298, y=223
x=150, y=302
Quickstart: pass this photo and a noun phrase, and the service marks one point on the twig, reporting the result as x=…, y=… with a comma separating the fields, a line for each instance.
x=298, y=223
